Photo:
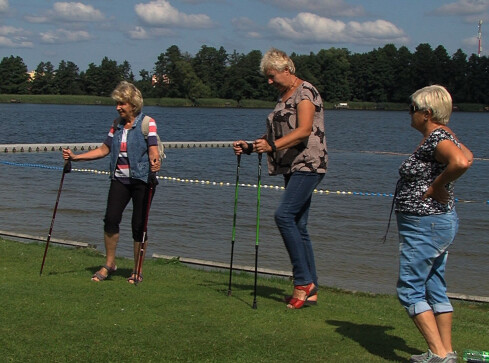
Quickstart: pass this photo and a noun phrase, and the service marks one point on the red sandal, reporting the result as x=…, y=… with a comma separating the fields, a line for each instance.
x=296, y=303
x=308, y=302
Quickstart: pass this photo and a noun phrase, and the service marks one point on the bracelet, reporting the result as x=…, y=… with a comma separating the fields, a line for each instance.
x=272, y=145
x=249, y=149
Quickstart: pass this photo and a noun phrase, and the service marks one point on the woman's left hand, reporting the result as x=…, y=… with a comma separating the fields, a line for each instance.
x=155, y=165
x=262, y=146
x=439, y=194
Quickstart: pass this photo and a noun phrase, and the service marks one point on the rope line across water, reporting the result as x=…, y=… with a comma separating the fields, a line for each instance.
x=209, y=182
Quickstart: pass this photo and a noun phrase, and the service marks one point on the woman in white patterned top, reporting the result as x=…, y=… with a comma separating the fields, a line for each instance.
x=427, y=220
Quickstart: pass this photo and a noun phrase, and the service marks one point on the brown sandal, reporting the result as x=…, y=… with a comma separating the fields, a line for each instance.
x=135, y=278
x=97, y=275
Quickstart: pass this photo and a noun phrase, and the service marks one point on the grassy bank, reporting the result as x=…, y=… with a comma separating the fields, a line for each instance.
x=184, y=314
x=207, y=102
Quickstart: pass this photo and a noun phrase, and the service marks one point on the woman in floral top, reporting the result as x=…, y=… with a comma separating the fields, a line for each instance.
x=295, y=144
x=427, y=220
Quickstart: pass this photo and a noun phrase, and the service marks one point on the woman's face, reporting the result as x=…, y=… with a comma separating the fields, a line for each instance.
x=125, y=109
x=418, y=117
x=278, y=79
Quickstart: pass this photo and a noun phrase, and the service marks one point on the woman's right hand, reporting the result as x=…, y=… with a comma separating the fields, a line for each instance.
x=240, y=147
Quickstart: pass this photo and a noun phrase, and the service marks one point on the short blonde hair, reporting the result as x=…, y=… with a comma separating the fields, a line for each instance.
x=128, y=93
x=277, y=60
x=437, y=99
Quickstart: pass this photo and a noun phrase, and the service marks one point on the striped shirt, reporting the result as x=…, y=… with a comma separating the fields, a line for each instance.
x=123, y=170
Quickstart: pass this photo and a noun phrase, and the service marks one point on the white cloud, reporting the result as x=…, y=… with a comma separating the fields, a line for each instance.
x=64, y=36
x=14, y=37
x=12, y=43
x=8, y=30
x=3, y=6
x=161, y=13
x=68, y=12
x=320, y=7
x=311, y=28
x=463, y=7
x=138, y=33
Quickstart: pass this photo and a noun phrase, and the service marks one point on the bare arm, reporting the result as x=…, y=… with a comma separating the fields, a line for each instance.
x=305, y=118
x=94, y=154
x=154, y=158
x=458, y=160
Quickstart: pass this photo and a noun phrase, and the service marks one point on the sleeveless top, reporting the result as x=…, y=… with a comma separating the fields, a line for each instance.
x=417, y=173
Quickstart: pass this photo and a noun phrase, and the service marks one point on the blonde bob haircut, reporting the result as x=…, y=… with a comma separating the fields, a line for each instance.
x=128, y=93
x=277, y=60
x=437, y=99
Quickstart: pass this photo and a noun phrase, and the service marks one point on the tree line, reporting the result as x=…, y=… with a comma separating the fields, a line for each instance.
x=386, y=74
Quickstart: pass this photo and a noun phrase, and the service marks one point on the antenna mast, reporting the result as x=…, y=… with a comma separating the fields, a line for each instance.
x=479, y=36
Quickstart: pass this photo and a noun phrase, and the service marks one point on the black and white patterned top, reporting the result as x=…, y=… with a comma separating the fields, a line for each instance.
x=310, y=155
x=417, y=173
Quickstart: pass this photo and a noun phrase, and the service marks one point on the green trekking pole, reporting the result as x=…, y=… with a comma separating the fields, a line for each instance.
x=257, y=227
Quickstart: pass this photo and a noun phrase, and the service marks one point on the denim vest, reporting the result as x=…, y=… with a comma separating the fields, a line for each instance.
x=137, y=150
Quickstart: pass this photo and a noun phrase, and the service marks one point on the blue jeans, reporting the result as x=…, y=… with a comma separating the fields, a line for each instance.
x=423, y=244
x=291, y=219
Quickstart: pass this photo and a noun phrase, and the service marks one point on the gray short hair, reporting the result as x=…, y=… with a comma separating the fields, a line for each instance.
x=437, y=99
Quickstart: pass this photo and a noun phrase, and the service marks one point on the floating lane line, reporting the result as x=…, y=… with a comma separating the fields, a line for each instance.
x=217, y=183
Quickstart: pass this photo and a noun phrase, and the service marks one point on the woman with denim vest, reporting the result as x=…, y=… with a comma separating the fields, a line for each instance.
x=427, y=220
x=134, y=159
x=295, y=144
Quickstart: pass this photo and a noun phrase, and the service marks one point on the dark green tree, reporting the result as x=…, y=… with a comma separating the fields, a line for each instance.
x=165, y=82
x=13, y=76
x=333, y=81
x=458, y=77
x=424, y=68
x=68, y=78
x=209, y=65
x=101, y=80
x=477, y=79
x=403, y=76
x=44, y=80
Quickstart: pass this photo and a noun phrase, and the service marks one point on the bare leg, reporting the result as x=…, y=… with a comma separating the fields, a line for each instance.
x=444, y=324
x=427, y=325
x=110, y=241
x=137, y=248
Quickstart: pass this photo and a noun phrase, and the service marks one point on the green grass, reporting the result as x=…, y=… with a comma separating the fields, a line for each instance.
x=184, y=314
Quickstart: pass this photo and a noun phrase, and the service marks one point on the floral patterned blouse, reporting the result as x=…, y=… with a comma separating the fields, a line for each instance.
x=310, y=155
x=417, y=173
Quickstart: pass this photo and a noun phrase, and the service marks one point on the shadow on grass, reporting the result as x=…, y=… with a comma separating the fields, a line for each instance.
x=124, y=272
x=374, y=339
x=265, y=292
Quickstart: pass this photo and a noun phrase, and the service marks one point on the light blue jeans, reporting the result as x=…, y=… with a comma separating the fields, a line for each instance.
x=423, y=244
x=291, y=219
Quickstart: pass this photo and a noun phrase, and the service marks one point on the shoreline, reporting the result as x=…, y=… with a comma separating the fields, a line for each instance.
x=216, y=103
x=18, y=237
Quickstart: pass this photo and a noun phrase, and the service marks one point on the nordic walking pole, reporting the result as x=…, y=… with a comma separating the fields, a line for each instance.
x=238, y=158
x=66, y=169
x=257, y=227
x=151, y=183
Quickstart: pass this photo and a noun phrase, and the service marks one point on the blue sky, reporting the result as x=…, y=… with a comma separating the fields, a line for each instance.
x=85, y=31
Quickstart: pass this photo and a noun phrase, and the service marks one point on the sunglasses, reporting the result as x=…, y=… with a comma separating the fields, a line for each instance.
x=413, y=108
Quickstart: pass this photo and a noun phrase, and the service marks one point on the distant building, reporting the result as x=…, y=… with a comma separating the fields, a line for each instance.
x=341, y=105
x=32, y=75
x=163, y=79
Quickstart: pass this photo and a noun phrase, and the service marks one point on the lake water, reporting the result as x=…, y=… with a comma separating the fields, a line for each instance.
x=194, y=220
